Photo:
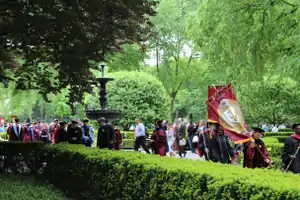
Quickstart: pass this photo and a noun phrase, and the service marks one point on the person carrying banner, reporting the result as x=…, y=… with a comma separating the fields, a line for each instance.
x=255, y=152
x=223, y=108
x=290, y=151
x=221, y=150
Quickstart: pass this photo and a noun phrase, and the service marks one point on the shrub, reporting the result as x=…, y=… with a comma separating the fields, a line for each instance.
x=285, y=130
x=3, y=135
x=128, y=144
x=275, y=150
x=86, y=173
x=137, y=95
x=270, y=140
x=267, y=134
x=128, y=135
x=281, y=139
x=26, y=188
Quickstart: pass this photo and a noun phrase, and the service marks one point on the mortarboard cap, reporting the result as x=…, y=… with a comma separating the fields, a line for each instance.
x=295, y=125
x=259, y=130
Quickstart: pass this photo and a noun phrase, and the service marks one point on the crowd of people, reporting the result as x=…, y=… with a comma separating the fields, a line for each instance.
x=206, y=139
x=210, y=141
x=73, y=132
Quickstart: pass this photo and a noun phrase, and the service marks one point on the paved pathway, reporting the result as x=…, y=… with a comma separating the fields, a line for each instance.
x=189, y=155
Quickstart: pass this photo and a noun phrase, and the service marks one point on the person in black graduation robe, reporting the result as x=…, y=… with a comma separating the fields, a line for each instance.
x=75, y=133
x=289, y=150
x=221, y=150
x=106, y=135
x=62, y=134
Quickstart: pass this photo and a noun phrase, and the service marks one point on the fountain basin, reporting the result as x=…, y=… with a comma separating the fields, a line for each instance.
x=107, y=114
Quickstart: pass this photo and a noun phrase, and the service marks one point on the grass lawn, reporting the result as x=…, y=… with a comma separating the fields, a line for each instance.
x=26, y=188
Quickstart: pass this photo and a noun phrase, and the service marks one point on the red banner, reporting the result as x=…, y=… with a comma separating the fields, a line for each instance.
x=223, y=108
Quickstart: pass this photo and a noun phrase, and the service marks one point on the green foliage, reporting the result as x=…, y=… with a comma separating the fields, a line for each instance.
x=273, y=100
x=138, y=176
x=128, y=143
x=131, y=58
x=136, y=95
x=178, y=63
x=285, y=130
x=3, y=135
x=130, y=175
x=26, y=188
x=128, y=135
x=57, y=40
x=267, y=134
x=245, y=40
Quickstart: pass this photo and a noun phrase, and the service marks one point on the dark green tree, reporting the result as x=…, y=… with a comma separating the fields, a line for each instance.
x=58, y=39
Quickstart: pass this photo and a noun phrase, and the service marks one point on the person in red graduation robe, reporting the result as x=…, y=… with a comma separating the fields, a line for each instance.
x=255, y=152
x=54, y=129
x=28, y=134
x=160, y=139
x=119, y=139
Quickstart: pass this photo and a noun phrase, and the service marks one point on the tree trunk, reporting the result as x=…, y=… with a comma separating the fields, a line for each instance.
x=126, y=127
x=173, y=96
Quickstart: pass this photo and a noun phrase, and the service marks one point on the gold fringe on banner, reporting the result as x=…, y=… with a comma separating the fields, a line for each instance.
x=243, y=141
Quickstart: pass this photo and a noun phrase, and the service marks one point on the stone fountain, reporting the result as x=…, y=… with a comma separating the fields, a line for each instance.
x=108, y=114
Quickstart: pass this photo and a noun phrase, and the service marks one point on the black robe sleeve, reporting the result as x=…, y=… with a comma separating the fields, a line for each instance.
x=287, y=151
x=230, y=148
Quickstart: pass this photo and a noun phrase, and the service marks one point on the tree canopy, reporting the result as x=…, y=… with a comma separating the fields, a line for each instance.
x=274, y=100
x=246, y=40
x=58, y=39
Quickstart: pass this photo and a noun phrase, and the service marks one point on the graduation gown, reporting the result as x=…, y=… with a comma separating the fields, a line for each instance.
x=75, y=135
x=161, y=142
x=290, y=147
x=62, y=135
x=88, y=135
x=106, y=136
x=254, y=158
x=221, y=151
x=204, y=143
x=54, y=129
x=119, y=139
x=28, y=134
x=15, y=132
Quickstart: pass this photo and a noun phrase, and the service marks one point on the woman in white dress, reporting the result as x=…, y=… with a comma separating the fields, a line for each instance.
x=170, y=138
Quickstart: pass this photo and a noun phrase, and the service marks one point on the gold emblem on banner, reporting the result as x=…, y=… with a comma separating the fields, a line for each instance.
x=231, y=116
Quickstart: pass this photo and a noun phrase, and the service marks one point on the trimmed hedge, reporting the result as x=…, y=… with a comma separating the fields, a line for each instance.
x=86, y=173
x=281, y=139
x=3, y=135
x=128, y=144
x=128, y=135
x=26, y=188
x=275, y=150
x=267, y=134
x=285, y=130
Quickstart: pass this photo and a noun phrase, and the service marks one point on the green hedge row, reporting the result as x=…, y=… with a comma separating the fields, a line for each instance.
x=85, y=173
x=285, y=130
x=26, y=188
x=267, y=134
x=128, y=135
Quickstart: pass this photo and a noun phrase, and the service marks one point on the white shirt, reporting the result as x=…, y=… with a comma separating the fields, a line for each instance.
x=170, y=135
x=274, y=129
x=140, y=130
